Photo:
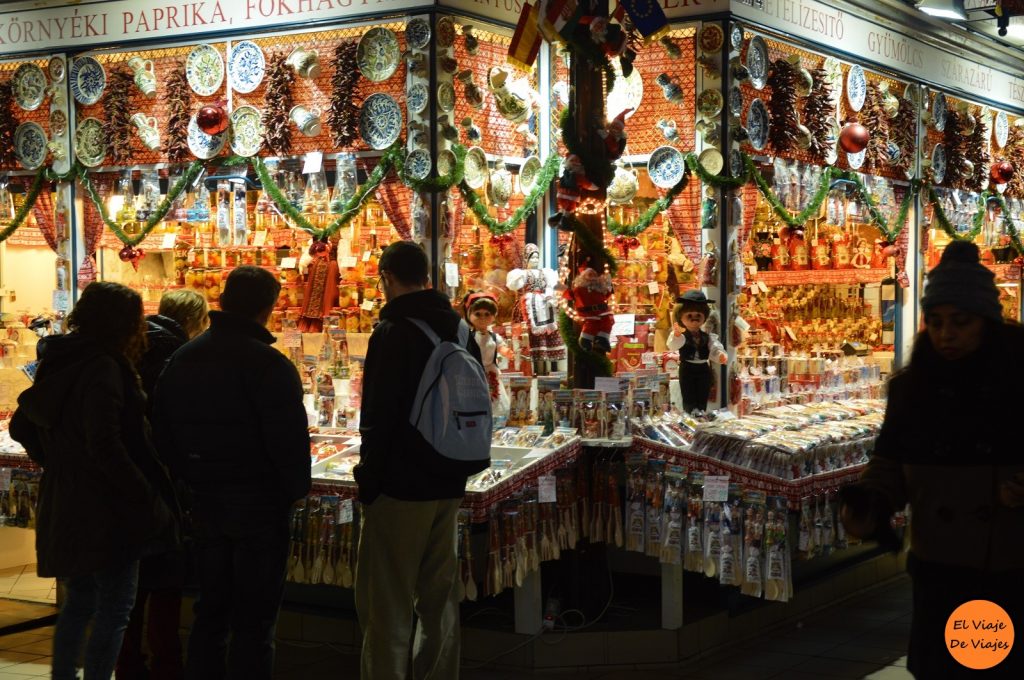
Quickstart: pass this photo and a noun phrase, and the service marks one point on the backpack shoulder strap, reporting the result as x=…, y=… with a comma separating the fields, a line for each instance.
x=427, y=330
x=463, y=334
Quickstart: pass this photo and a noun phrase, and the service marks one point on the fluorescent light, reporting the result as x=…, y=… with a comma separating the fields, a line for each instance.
x=944, y=9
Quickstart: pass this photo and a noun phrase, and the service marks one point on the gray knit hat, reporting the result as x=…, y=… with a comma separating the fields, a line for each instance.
x=962, y=281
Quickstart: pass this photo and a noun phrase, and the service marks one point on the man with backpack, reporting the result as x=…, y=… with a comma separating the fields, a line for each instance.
x=425, y=427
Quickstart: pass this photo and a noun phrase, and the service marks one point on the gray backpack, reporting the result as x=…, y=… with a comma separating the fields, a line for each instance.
x=452, y=409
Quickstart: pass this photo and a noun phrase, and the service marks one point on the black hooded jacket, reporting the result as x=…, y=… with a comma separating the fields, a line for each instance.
x=164, y=336
x=394, y=458
x=104, y=497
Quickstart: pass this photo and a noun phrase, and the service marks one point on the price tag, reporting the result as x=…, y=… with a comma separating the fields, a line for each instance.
x=451, y=274
x=607, y=384
x=366, y=256
x=742, y=324
x=654, y=266
x=345, y=511
x=314, y=162
x=752, y=269
x=762, y=287
x=367, y=306
x=288, y=263
x=348, y=261
x=625, y=325
x=652, y=287
x=5, y=479
x=291, y=339
x=791, y=333
x=168, y=242
x=716, y=488
x=259, y=238
x=546, y=492
x=647, y=358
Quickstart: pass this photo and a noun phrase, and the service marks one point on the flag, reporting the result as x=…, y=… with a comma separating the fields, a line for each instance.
x=647, y=17
x=559, y=18
x=522, y=51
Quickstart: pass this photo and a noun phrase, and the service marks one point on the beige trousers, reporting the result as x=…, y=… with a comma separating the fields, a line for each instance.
x=407, y=565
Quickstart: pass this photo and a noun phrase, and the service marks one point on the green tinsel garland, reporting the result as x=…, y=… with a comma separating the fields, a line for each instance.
x=351, y=208
x=800, y=219
x=693, y=162
x=544, y=178
x=889, y=234
x=1011, y=228
x=977, y=222
x=656, y=208
x=26, y=207
x=589, y=243
x=596, y=166
x=434, y=185
x=602, y=365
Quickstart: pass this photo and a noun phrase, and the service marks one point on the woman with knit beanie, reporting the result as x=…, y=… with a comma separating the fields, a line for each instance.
x=949, y=448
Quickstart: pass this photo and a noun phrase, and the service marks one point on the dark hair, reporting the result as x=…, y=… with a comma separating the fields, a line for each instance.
x=690, y=306
x=249, y=291
x=475, y=299
x=407, y=262
x=110, y=314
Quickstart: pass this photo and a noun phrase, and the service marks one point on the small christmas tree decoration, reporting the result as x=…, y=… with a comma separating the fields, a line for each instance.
x=8, y=124
x=782, y=106
x=819, y=111
x=117, y=109
x=179, y=106
x=342, y=114
x=276, y=123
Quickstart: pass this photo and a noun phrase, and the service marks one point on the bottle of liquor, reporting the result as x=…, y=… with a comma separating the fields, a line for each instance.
x=223, y=213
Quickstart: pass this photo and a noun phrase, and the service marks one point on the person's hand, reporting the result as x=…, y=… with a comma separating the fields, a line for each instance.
x=861, y=526
x=1011, y=492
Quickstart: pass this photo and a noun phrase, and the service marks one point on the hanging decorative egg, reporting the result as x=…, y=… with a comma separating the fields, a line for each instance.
x=854, y=137
x=212, y=119
x=1001, y=172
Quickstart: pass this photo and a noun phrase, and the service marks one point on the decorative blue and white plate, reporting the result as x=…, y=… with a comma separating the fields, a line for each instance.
x=417, y=98
x=378, y=55
x=204, y=69
x=1001, y=129
x=417, y=164
x=202, y=145
x=90, y=142
x=757, y=124
x=380, y=121
x=735, y=101
x=29, y=86
x=938, y=163
x=30, y=145
x=757, y=62
x=417, y=33
x=736, y=37
x=246, y=131
x=856, y=87
x=666, y=167
x=939, y=112
x=246, y=66
x=856, y=160
x=88, y=79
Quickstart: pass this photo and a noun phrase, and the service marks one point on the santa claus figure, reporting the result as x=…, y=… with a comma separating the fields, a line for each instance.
x=614, y=136
x=589, y=296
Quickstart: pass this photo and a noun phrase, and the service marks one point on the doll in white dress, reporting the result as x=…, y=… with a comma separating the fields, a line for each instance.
x=537, y=302
x=480, y=310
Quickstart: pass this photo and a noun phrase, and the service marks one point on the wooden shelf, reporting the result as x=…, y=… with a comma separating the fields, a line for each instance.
x=825, y=276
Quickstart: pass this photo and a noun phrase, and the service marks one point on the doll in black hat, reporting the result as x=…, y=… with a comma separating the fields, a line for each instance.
x=697, y=349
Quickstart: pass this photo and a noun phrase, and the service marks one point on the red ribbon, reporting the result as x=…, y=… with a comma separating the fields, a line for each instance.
x=502, y=241
x=626, y=243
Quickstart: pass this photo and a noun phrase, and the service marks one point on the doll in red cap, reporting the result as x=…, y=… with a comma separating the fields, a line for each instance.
x=697, y=349
x=480, y=309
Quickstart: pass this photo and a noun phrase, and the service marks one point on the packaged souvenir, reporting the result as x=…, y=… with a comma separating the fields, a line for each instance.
x=693, y=559
x=636, y=484
x=730, y=564
x=778, y=575
x=519, y=398
x=655, y=499
x=674, y=515
x=615, y=417
x=588, y=406
x=753, y=543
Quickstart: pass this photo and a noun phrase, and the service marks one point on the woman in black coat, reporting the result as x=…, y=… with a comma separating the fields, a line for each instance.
x=105, y=500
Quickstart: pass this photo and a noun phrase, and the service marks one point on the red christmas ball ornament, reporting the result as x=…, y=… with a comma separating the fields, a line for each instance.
x=854, y=137
x=1019, y=261
x=212, y=119
x=1001, y=172
x=318, y=248
x=127, y=254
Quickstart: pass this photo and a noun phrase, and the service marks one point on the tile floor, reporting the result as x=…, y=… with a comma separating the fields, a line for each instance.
x=22, y=583
x=865, y=637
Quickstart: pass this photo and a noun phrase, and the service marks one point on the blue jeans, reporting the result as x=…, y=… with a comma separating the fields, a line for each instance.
x=106, y=598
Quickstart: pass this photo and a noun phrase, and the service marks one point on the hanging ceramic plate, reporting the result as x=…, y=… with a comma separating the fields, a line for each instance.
x=711, y=38
x=445, y=163
x=757, y=124
x=856, y=160
x=87, y=80
x=757, y=62
x=30, y=145
x=475, y=167
x=712, y=161
x=417, y=164
x=938, y=163
x=445, y=32
x=246, y=131
x=58, y=122
x=736, y=37
x=736, y=164
x=378, y=55
x=912, y=93
x=528, y=175
x=90, y=142
x=55, y=67
x=1001, y=129
x=709, y=102
x=380, y=121
x=416, y=98
x=202, y=145
x=204, y=69
x=417, y=33
x=627, y=93
x=735, y=101
x=666, y=167
x=856, y=87
x=834, y=77
x=831, y=140
x=29, y=86
x=246, y=66
x=446, y=97
x=939, y=112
